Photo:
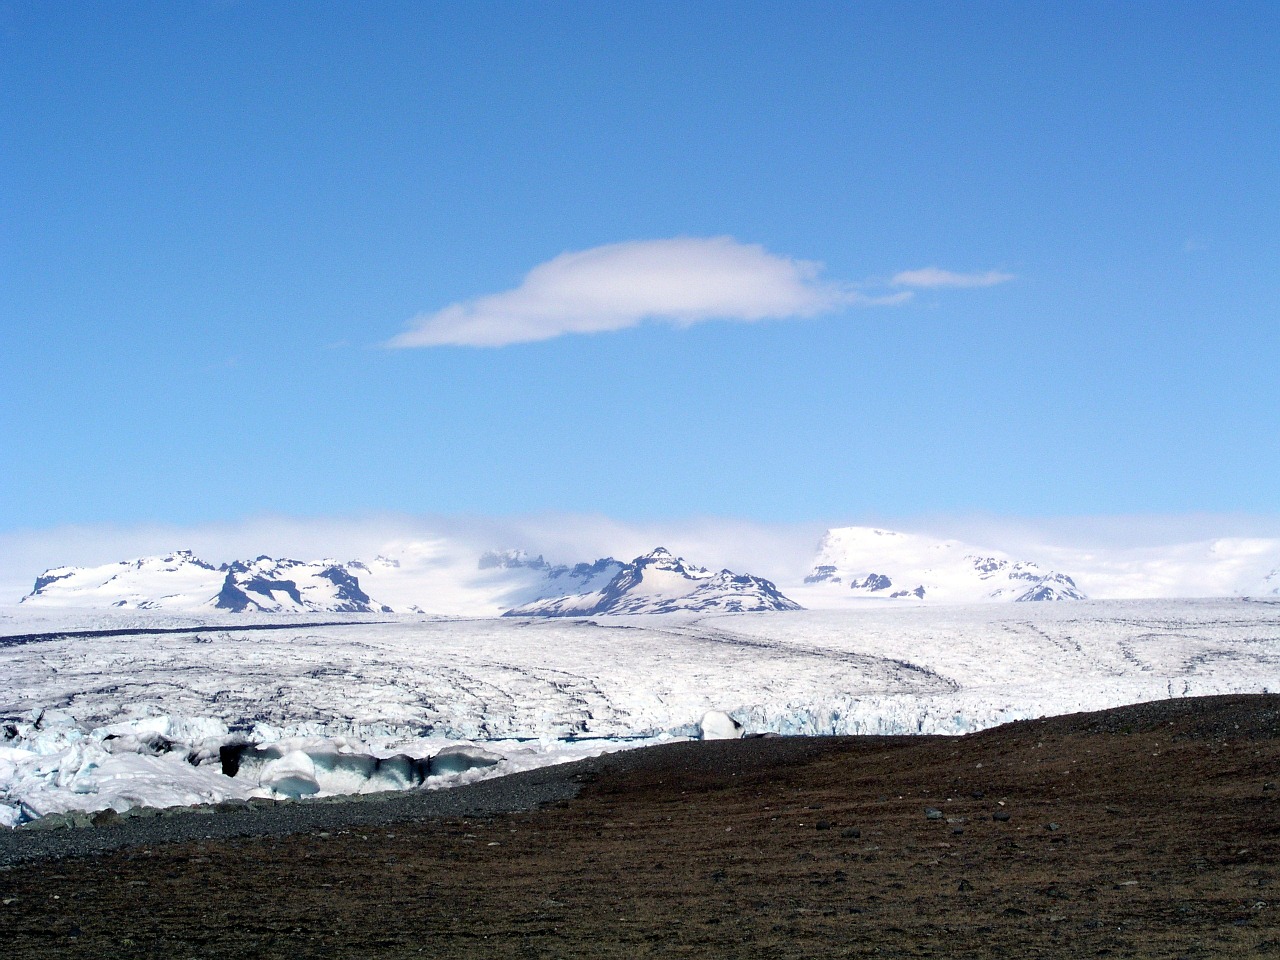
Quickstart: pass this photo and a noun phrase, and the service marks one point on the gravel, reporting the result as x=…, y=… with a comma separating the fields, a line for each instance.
x=78, y=836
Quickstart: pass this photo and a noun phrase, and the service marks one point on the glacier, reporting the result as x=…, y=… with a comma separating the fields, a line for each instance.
x=95, y=714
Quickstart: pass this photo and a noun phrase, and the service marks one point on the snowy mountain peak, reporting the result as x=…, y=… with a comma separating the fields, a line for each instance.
x=883, y=564
x=1053, y=586
x=129, y=583
x=181, y=580
x=278, y=586
x=657, y=553
x=660, y=582
x=662, y=559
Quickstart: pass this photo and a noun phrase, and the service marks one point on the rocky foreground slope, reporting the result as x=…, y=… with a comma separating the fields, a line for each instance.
x=1147, y=831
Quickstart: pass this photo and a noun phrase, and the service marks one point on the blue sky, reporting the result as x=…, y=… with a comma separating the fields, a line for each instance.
x=216, y=217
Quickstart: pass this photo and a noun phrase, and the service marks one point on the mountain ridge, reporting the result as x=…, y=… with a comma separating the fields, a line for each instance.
x=452, y=577
x=871, y=563
x=660, y=582
x=656, y=582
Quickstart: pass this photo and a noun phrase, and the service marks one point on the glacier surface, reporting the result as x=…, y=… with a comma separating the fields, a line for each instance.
x=94, y=714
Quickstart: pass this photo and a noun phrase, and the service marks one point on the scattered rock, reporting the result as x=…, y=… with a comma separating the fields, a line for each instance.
x=964, y=886
x=59, y=821
x=1001, y=815
x=851, y=833
x=1053, y=827
x=105, y=818
x=932, y=813
x=822, y=825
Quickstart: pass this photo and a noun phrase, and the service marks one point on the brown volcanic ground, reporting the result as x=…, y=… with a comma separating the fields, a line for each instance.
x=1148, y=831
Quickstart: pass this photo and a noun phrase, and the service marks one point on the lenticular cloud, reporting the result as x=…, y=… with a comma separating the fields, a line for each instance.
x=683, y=281
x=930, y=277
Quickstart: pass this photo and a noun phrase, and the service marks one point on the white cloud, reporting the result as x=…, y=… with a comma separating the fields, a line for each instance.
x=933, y=277
x=684, y=280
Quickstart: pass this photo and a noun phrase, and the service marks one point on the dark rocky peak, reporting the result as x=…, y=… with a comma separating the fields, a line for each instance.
x=51, y=576
x=236, y=594
x=350, y=598
x=872, y=582
x=824, y=573
x=587, y=571
x=660, y=558
x=176, y=557
x=987, y=566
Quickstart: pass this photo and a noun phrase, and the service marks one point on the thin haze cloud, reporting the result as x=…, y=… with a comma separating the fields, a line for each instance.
x=932, y=277
x=682, y=281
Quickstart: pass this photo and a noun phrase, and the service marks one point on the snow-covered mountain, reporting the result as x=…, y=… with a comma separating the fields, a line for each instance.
x=660, y=582
x=429, y=578
x=451, y=576
x=581, y=577
x=864, y=562
x=265, y=585
x=443, y=578
x=182, y=581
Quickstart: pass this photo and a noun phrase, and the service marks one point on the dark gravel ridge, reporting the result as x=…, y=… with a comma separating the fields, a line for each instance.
x=18, y=639
x=517, y=792
x=514, y=793
x=1151, y=831
x=1224, y=717
x=1245, y=717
